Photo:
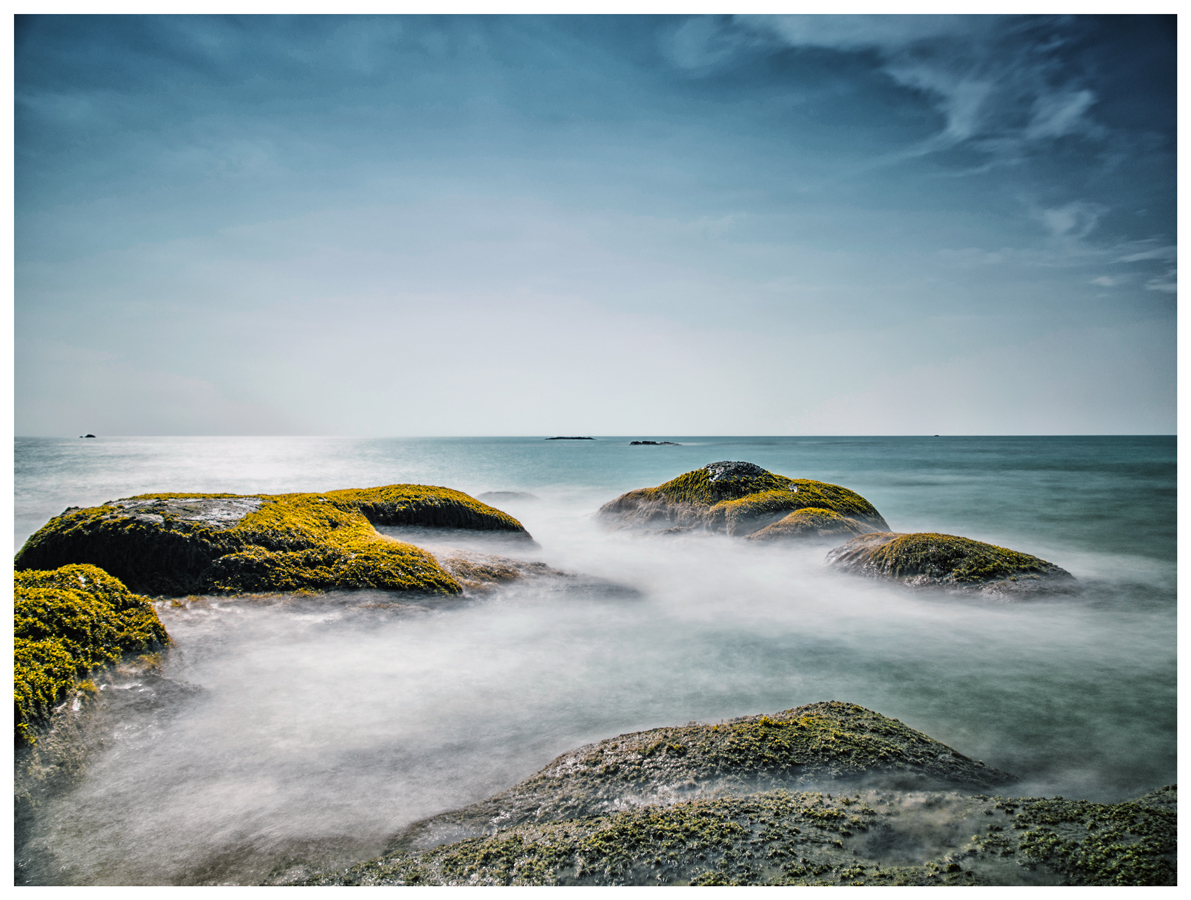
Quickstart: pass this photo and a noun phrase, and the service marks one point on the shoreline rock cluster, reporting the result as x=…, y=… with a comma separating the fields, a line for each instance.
x=745, y=500
x=735, y=802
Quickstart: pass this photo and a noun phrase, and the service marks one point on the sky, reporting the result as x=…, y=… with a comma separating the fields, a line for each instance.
x=620, y=225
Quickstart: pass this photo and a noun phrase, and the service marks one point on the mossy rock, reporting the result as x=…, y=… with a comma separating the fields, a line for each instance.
x=810, y=523
x=809, y=838
x=738, y=498
x=207, y=543
x=820, y=742
x=67, y=622
x=944, y=560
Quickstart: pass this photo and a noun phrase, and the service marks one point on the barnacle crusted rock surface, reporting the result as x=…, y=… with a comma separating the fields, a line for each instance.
x=809, y=745
x=869, y=837
x=67, y=622
x=928, y=559
x=741, y=498
x=201, y=543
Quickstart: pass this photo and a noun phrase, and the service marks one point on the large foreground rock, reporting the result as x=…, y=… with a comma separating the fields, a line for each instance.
x=874, y=837
x=203, y=543
x=810, y=745
x=68, y=622
x=712, y=804
x=943, y=560
x=741, y=498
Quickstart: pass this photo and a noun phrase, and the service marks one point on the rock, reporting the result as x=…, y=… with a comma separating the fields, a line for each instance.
x=652, y=444
x=86, y=435
x=870, y=837
x=943, y=560
x=741, y=498
x=810, y=745
x=203, y=543
x=483, y=572
x=504, y=496
x=68, y=622
x=806, y=523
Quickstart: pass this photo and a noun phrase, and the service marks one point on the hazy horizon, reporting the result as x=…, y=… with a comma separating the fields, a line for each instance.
x=580, y=225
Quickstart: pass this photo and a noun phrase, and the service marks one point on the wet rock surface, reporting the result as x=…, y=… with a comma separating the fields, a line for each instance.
x=737, y=498
x=868, y=837
x=712, y=804
x=947, y=561
x=813, y=744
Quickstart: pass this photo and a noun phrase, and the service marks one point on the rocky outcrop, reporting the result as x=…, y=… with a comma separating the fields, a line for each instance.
x=203, y=543
x=944, y=560
x=652, y=444
x=741, y=498
x=712, y=804
x=68, y=622
x=810, y=745
x=869, y=837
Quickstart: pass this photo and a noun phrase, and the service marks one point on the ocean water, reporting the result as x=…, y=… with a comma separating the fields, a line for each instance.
x=317, y=729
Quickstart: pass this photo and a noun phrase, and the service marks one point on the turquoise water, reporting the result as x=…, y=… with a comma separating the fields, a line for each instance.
x=316, y=726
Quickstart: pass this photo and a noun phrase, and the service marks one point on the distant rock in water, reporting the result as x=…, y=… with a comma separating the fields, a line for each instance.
x=570, y=439
x=500, y=496
x=86, y=435
x=652, y=444
x=741, y=498
x=943, y=560
x=201, y=543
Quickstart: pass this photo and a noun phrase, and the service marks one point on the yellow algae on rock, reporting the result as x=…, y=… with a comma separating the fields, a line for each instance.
x=737, y=498
x=197, y=543
x=67, y=622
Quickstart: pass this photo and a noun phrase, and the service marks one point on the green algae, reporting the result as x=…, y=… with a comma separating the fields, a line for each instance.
x=810, y=522
x=738, y=498
x=68, y=622
x=929, y=558
x=807, y=838
x=180, y=544
x=1132, y=843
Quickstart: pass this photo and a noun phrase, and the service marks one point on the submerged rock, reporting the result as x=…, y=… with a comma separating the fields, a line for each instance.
x=203, y=543
x=944, y=560
x=68, y=622
x=483, y=572
x=874, y=837
x=742, y=498
x=501, y=496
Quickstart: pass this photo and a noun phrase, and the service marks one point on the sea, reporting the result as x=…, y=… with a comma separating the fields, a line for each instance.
x=311, y=730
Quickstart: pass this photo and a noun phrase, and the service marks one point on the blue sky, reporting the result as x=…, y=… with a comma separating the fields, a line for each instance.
x=595, y=225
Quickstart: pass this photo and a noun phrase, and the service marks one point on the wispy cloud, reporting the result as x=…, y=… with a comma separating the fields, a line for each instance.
x=996, y=81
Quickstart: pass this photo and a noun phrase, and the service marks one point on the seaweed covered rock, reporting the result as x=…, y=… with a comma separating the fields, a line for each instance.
x=809, y=745
x=806, y=523
x=872, y=837
x=741, y=498
x=67, y=622
x=201, y=543
x=927, y=559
